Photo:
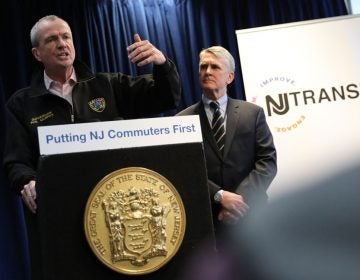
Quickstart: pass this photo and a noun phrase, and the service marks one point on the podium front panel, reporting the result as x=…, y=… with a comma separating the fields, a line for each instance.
x=65, y=183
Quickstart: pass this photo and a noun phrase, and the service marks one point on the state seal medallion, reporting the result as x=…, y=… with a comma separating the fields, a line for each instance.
x=134, y=221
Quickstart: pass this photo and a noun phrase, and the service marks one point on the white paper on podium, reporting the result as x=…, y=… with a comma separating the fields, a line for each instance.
x=95, y=136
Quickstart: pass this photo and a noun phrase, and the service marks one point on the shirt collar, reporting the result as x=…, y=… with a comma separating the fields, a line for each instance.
x=222, y=101
x=48, y=81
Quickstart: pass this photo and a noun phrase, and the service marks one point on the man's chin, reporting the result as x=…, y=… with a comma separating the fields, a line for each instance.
x=208, y=90
x=66, y=64
x=66, y=61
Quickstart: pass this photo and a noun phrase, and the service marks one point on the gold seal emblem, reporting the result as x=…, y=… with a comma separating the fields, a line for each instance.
x=134, y=220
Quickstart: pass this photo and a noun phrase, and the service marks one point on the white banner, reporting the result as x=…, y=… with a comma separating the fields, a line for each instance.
x=82, y=137
x=306, y=76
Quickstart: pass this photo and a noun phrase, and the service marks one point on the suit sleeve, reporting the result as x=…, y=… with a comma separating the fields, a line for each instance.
x=254, y=186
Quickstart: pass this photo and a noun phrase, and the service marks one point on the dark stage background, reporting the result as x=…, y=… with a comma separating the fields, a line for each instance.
x=102, y=29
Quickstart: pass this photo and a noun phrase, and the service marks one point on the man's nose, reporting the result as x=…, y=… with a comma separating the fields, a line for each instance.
x=61, y=42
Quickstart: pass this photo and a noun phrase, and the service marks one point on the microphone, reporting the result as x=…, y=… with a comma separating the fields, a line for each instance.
x=118, y=119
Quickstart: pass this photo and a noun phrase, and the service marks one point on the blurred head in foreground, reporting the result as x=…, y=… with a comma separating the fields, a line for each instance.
x=311, y=234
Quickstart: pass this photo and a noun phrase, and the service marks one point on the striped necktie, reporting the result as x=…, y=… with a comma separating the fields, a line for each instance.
x=218, y=126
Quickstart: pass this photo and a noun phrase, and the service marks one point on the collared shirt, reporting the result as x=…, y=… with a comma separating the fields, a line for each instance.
x=209, y=112
x=59, y=89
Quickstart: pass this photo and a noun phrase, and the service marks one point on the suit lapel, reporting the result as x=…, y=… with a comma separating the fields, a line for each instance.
x=232, y=112
x=206, y=129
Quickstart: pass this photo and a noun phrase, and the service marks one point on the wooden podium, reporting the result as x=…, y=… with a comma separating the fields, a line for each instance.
x=58, y=244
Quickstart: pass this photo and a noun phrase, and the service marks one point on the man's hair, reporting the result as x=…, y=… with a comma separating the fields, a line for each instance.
x=219, y=52
x=34, y=33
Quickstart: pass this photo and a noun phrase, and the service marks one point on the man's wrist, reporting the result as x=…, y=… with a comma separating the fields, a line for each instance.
x=218, y=196
x=165, y=67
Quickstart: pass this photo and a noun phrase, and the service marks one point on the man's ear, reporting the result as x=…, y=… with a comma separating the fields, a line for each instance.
x=230, y=78
x=35, y=53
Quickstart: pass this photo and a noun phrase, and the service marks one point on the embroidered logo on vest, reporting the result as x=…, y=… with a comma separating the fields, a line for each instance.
x=41, y=118
x=97, y=104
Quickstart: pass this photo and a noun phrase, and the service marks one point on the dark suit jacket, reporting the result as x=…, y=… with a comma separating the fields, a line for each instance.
x=249, y=162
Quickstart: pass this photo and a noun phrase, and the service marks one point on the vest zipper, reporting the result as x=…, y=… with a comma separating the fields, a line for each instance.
x=72, y=114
